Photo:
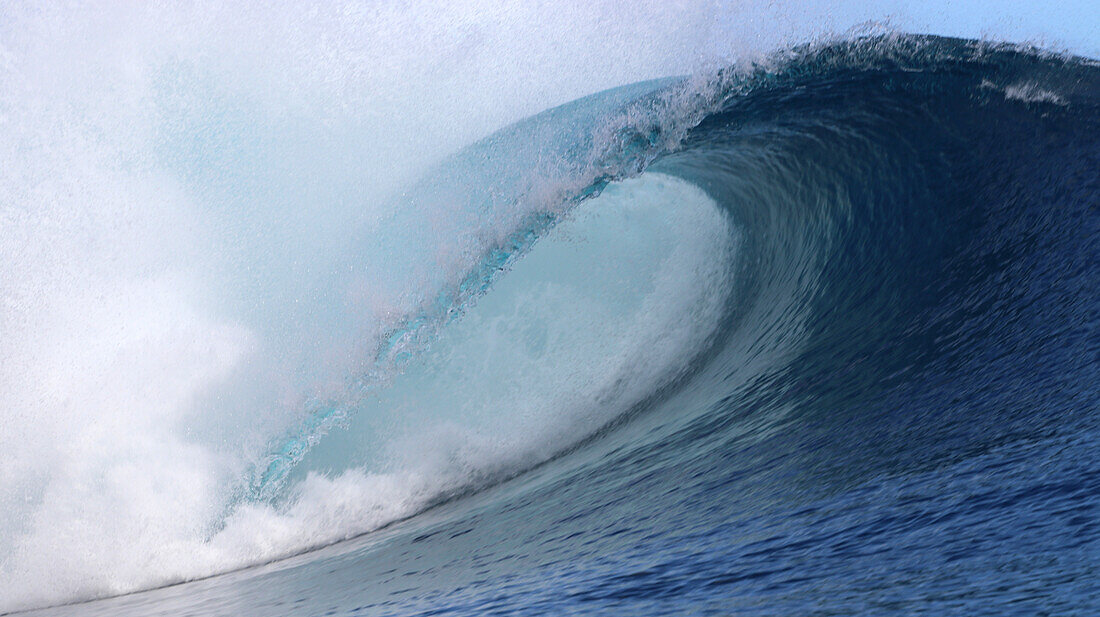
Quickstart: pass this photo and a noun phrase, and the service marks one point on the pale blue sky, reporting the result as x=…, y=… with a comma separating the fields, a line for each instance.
x=1070, y=24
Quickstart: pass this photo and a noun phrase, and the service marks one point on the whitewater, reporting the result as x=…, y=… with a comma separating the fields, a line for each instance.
x=368, y=310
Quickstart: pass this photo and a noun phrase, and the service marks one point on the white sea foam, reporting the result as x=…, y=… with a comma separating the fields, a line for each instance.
x=1029, y=92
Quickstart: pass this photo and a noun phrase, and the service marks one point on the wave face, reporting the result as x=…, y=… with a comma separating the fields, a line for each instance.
x=814, y=337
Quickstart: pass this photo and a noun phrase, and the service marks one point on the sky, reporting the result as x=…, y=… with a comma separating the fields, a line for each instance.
x=1072, y=25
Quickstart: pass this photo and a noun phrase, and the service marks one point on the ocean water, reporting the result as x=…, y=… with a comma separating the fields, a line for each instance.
x=810, y=333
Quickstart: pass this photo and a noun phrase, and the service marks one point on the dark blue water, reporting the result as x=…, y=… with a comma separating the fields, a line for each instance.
x=898, y=414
